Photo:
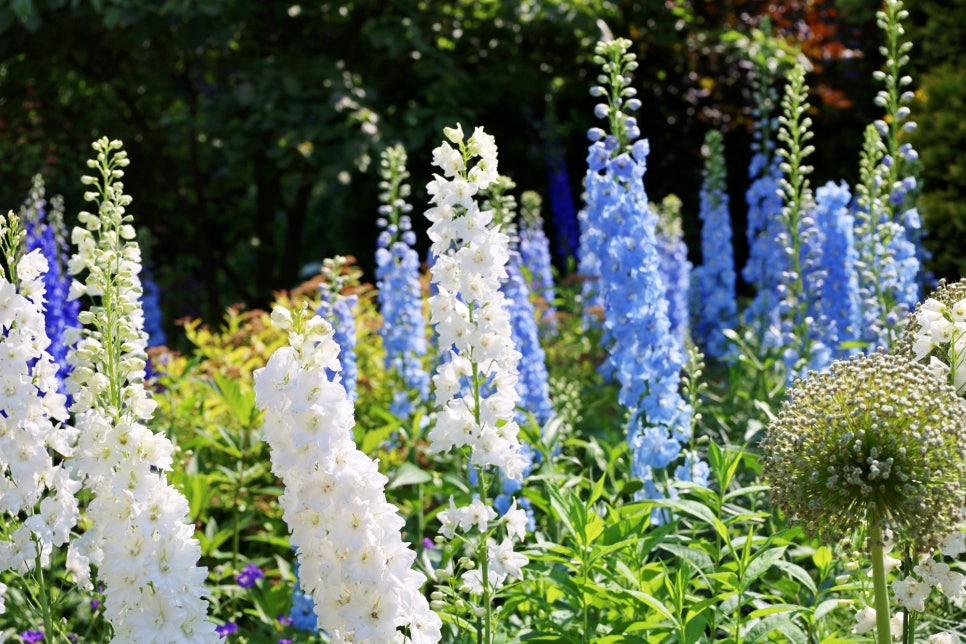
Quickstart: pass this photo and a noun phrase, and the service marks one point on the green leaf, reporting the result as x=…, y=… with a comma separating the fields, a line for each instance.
x=408, y=474
x=798, y=573
x=698, y=511
x=778, y=622
x=760, y=564
x=701, y=560
x=822, y=557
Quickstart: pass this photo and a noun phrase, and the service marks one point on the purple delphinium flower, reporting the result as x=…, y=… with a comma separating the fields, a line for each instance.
x=247, y=577
x=32, y=636
x=562, y=208
x=151, y=304
x=46, y=231
x=714, y=301
x=226, y=629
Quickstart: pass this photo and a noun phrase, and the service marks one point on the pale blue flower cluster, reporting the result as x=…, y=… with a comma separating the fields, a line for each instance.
x=675, y=269
x=715, y=304
x=767, y=258
x=534, y=250
x=644, y=355
x=336, y=308
x=840, y=290
x=532, y=384
x=815, y=325
x=400, y=301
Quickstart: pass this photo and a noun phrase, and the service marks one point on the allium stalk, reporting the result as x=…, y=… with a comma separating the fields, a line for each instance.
x=352, y=559
x=403, y=329
x=138, y=537
x=475, y=386
x=875, y=442
x=714, y=300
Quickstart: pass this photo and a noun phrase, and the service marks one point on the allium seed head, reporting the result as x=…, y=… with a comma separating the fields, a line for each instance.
x=878, y=438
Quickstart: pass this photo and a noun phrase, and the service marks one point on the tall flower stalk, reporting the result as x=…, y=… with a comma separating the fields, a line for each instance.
x=44, y=223
x=475, y=385
x=38, y=507
x=644, y=355
x=801, y=282
x=337, y=307
x=351, y=557
x=887, y=223
x=535, y=254
x=766, y=256
x=403, y=329
x=715, y=308
x=137, y=536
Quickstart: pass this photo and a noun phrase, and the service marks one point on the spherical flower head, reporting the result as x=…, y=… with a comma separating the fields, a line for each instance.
x=874, y=439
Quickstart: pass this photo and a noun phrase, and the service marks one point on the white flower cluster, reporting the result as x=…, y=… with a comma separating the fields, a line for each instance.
x=352, y=559
x=944, y=327
x=503, y=562
x=911, y=593
x=37, y=502
x=476, y=386
x=137, y=535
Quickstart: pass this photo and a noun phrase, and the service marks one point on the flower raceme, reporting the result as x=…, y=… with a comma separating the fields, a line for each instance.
x=137, y=537
x=36, y=489
x=352, y=560
x=469, y=311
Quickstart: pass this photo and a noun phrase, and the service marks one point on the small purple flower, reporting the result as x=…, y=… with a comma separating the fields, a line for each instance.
x=32, y=636
x=95, y=604
x=225, y=629
x=284, y=620
x=285, y=642
x=428, y=543
x=247, y=577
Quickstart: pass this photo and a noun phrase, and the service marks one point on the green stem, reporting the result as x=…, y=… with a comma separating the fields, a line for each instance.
x=44, y=596
x=879, y=587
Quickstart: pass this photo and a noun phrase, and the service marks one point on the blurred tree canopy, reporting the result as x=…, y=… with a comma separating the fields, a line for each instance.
x=254, y=126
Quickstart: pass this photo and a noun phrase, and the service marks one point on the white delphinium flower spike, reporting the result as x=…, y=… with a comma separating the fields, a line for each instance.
x=37, y=502
x=138, y=537
x=352, y=559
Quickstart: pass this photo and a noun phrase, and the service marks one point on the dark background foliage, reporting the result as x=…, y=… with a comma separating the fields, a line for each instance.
x=254, y=126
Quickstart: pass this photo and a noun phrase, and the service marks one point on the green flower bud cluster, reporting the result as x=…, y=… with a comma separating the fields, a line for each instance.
x=876, y=440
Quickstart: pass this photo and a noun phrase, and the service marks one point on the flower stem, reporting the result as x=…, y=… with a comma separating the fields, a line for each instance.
x=879, y=587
